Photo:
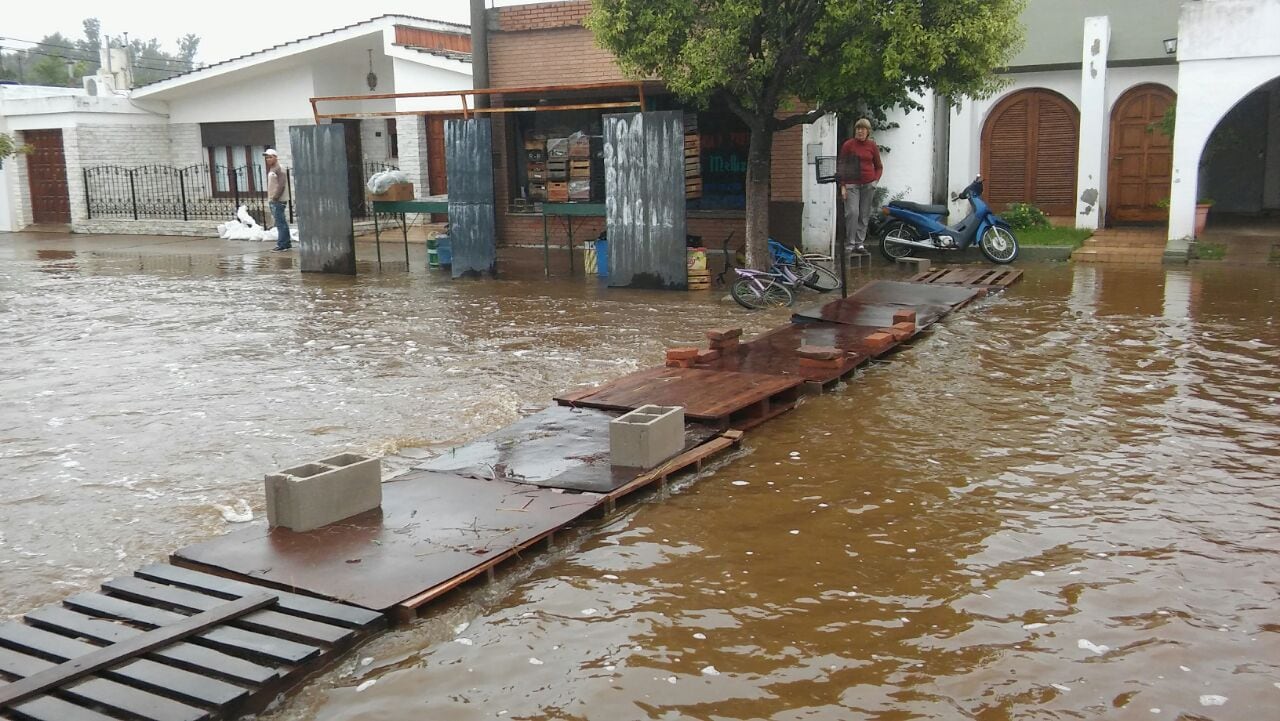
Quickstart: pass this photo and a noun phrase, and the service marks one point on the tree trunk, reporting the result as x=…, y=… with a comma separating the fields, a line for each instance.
x=759, y=163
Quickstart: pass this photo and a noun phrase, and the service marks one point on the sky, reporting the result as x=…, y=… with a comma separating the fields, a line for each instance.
x=227, y=28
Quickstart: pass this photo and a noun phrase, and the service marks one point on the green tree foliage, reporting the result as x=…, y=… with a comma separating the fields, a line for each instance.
x=61, y=61
x=780, y=63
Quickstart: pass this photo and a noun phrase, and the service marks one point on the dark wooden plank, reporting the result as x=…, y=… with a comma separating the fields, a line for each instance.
x=118, y=662
x=52, y=708
x=706, y=395
x=183, y=655
x=316, y=609
x=273, y=622
x=232, y=640
x=99, y=691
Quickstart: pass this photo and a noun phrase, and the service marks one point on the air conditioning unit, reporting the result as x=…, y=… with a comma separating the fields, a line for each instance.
x=96, y=85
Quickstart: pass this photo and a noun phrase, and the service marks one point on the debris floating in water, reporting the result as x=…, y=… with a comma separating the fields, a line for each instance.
x=1091, y=646
x=710, y=671
x=1212, y=699
x=366, y=685
x=700, y=636
x=535, y=661
x=239, y=512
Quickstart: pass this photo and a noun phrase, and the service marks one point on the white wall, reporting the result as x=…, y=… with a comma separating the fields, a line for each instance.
x=414, y=77
x=261, y=95
x=1226, y=50
x=908, y=165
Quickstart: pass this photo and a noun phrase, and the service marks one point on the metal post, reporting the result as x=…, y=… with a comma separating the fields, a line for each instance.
x=88, y=201
x=133, y=196
x=288, y=184
x=844, y=280
x=182, y=188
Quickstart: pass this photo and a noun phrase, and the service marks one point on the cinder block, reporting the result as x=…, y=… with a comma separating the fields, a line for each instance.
x=904, y=316
x=906, y=329
x=316, y=494
x=646, y=436
x=682, y=363
x=920, y=264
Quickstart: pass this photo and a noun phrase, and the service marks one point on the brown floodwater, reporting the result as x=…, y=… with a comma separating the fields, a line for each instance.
x=1059, y=503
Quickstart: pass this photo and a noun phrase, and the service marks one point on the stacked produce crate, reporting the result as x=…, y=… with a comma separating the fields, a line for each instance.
x=536, y=158
x=558, y=170
x=580, y=168
x=692, y=157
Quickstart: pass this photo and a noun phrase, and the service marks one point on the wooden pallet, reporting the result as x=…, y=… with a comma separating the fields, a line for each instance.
x=170, y=644
x=990, y=278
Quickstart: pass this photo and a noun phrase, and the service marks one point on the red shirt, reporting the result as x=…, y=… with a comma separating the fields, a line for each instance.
x=868, y=155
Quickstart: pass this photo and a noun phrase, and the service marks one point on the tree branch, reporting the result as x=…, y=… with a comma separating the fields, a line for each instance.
x=799, y=119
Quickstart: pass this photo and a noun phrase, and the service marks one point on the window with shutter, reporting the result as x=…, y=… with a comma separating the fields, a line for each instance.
x=1029, y=148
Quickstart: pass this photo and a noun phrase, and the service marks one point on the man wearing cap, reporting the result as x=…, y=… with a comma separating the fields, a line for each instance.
x=275, y=198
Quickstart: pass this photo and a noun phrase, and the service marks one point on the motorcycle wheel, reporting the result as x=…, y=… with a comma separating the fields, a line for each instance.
x=896, y=229
x=999, y=245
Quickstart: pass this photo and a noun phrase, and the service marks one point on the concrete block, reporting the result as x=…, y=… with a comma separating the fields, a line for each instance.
x=879, y=342
x=904, y=316
x=903, y=330
x=646, y=436
x=682, y=363
x=316, y=494
x=707, y=356
x=920, y=264
x=817, y=352
x=682, y=353
x=724, y=333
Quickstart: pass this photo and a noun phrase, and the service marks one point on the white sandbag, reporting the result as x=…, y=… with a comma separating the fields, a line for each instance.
x=243, y=214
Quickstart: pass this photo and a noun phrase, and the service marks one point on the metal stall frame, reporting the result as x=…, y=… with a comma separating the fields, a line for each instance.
x=467, y=112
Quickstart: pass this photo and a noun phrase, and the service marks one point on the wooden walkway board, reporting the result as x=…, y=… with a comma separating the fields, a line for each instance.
x=431, y=528
x=722, y=398
x=557, y=447
x=149, y=649
x=978, y=277
x=874, y=303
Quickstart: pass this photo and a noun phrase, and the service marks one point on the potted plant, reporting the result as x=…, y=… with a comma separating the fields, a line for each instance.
x=1202, y=214
x=9, y=146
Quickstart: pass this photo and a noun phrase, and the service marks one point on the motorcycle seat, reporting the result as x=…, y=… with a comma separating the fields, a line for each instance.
x=920, y=208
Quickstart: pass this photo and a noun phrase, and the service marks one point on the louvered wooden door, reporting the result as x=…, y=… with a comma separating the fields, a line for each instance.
x=47, y=177
x=1029, y=149
x=1141, y=157
x=437, y=176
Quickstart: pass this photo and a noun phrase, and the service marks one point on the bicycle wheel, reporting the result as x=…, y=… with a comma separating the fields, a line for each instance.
x=820, y=279
x=760, y=293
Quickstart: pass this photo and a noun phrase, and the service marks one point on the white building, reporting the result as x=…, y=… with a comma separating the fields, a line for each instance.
x=1076, y=129
x=194, y=142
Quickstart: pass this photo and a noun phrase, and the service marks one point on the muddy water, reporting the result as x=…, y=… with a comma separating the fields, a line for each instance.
x=1060, y=503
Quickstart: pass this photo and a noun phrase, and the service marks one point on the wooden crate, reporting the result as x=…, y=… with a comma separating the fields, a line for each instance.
x=399, y=191
x=557, y=192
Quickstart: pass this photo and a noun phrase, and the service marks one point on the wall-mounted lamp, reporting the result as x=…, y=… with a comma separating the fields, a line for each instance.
x=372, y=78
x=1171, y=46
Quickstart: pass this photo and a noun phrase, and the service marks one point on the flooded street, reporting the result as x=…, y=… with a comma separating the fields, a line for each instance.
x=1059, y=503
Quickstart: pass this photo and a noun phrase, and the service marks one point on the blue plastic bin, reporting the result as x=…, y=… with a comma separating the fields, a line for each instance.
x=444, y=250
x=602, y=258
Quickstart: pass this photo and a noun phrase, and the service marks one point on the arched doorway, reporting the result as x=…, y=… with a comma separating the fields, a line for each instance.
x=1141, y=164
x=1029, y=151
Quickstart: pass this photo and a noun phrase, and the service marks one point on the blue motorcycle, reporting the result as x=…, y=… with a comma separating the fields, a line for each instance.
x=912, y=225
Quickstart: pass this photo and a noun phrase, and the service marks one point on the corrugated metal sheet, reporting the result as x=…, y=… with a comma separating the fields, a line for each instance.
x=468, y=153
x=321, y=198
x=644, y=199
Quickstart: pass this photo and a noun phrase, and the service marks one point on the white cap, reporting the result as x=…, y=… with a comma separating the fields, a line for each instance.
x=271, y=152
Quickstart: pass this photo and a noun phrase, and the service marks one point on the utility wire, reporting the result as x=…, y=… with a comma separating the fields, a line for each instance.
x=94, y=60
x=78, y=49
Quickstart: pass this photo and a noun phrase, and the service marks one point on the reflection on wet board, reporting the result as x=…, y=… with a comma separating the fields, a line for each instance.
x=558, y=447
x=994, y=278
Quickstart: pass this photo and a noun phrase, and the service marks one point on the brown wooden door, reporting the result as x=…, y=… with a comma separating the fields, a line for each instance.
x=1141, y=157
x=355, y=165
x=437, y=177
x=47, y=177
x=1029, y=152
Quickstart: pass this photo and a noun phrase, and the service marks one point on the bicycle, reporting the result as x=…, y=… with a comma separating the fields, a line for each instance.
x=756, y=289
x=805, y=266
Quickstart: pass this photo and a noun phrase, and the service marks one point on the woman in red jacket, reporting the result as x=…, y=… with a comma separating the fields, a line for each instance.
x=861, y=169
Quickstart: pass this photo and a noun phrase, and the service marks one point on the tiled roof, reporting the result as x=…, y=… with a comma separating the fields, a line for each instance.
x=409, y=18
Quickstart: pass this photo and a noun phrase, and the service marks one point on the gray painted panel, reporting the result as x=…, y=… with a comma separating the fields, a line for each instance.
x=469, y=165
x=644, y=199
x=1055, y=30
x=321, y=199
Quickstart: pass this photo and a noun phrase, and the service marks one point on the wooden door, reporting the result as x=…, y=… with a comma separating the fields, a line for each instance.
x=47, y=177
x=1030, y=145
x=355, y=165
x=437, y=176
x=1141, y=165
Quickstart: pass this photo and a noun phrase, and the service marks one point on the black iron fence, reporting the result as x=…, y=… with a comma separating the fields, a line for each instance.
x=196, y=192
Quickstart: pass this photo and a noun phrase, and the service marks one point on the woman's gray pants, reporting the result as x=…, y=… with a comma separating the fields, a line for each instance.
x=857, y=212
